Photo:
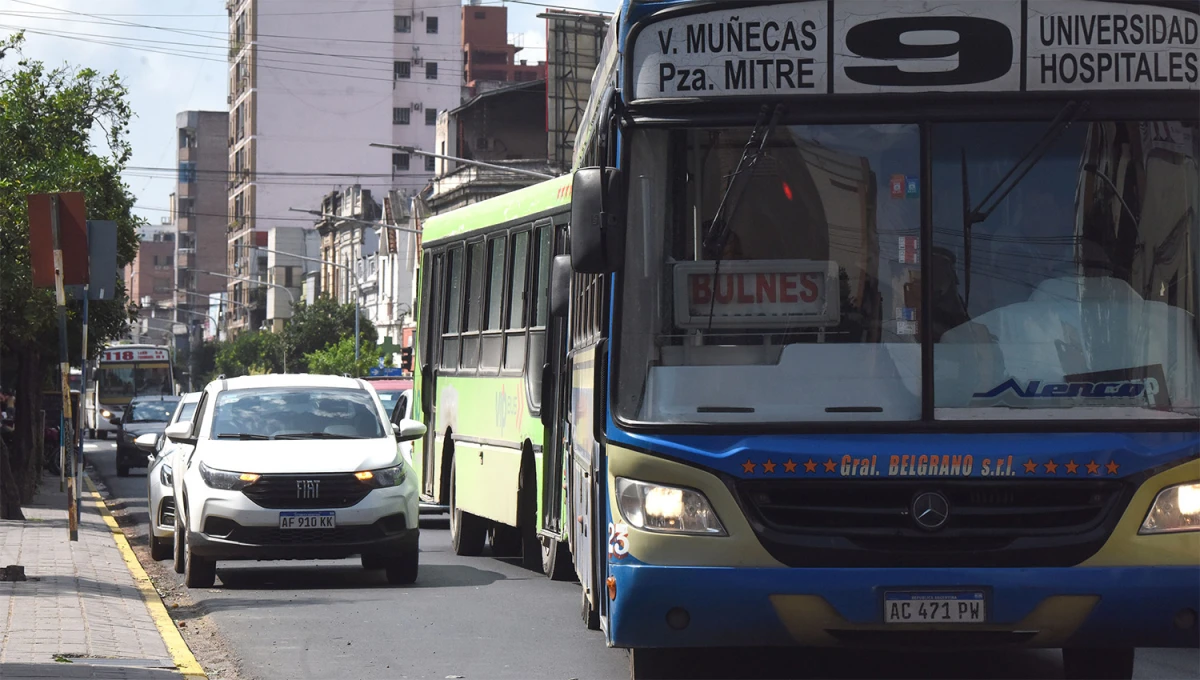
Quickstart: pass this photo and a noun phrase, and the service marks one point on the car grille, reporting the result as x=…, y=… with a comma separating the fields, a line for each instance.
x=869, y=523
x=166, y=512
x=340, y=490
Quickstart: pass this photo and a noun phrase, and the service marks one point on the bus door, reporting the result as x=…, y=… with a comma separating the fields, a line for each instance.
x=431, y=346
x=556, y=382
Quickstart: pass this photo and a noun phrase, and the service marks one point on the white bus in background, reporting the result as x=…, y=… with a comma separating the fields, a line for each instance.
x=122, y=373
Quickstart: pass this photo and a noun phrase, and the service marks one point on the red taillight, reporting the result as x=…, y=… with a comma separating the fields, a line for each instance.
x=787, y=191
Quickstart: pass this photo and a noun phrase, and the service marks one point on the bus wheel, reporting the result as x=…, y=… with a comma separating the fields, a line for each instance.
x=467, y=532
x=556, y=560
x=1098, y=663
x=652, y=664
x=506, y=541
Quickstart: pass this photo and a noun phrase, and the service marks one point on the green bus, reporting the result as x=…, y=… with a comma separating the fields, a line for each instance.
x=486, y=339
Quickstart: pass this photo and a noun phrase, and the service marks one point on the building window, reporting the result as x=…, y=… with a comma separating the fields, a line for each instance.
x=431, y=70
x=431, y=116
x=399, y=161
x=187, y=172
x=403, y=23
x=480, y=15
x=402, y=69
x=431, y=24
x=401, y=116
x=430, y=164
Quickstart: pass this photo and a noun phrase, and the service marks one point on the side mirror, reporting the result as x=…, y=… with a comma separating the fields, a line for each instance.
x=597, y=221
x=409, y=430
x=146, y=442
x=180, y=433
x=560, y=285
x=115, y=420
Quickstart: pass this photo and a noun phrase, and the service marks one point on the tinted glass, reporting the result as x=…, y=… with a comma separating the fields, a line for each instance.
x=495, y=301
x=520, y=262
x=296, y=413
x=150, y=411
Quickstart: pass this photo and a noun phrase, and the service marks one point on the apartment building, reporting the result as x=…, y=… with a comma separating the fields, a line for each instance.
x=308, y=92
x=201, y=196
x=487, y=55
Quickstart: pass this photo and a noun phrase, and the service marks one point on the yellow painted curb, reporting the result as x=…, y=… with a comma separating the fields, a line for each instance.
x=181, y=655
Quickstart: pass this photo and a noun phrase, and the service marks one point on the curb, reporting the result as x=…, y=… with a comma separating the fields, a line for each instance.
x=181, y=655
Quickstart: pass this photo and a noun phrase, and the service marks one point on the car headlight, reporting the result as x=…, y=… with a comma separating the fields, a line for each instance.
x=106, y=413
x=667, y=509
x=384, y=477
x=166, y=475
x=1175, y=508
x=228, y=481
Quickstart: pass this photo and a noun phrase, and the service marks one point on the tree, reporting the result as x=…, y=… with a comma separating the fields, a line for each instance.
x=250, y=353
x=338, y=358
x=314, y=327
x=54, y=126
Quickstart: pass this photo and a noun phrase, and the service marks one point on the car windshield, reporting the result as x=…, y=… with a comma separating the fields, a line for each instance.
x=150, y=411
x=1073, y=291
x=296, y=413
x=389, y=399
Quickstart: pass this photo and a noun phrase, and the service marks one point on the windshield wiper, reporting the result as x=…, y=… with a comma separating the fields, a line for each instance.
x=973, y=216
x=317, y=435
x=241, y=435
x=721, y=228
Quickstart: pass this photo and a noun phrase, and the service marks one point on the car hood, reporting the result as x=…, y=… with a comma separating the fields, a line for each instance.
x=136, y=429
x=290, y=456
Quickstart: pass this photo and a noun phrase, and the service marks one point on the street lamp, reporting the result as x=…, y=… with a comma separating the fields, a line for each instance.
x=465, y=161
x=353, y=276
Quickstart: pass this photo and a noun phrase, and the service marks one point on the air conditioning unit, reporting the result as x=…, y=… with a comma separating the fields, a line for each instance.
x=416, y=106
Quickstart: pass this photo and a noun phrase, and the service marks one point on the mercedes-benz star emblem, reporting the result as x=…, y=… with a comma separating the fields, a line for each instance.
x=930, y=510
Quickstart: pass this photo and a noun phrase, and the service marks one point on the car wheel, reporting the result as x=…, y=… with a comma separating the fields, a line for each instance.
x=1098, y=663
x=402, y=567
x=556, y=560
x=373, y=561
x=178, y=542
x=198, y=572
x=159, y=548
x=467, y=532
x=103, y=434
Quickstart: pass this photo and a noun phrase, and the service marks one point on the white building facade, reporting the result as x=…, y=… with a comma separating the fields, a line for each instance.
x=309, y=91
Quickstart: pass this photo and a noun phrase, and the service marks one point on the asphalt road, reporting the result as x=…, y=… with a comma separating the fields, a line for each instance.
x=483, y=618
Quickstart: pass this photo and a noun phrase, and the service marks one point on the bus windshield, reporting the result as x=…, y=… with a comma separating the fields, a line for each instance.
x=124, y=381
x=1082, y=292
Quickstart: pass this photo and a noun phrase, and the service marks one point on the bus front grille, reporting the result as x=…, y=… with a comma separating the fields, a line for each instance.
x=988, y=523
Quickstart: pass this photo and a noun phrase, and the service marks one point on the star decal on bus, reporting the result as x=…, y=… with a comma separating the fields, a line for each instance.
x=830, y=466
x=1112, y=467
x=1072, y=466
x=1030, y=467
x=789, y=466
x=1051, y=467
x=810, y=466
x=1093, y=468
x=749, y=466
x=769, y=467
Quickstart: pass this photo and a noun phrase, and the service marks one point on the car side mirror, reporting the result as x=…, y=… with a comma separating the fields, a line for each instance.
x=180, y=433
x=115, y=420
x=560, y=285
x=409, y=430
x=597, y=221
x=146, y=442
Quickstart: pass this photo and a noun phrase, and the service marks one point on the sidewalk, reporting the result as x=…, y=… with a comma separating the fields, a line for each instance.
x=87, y=609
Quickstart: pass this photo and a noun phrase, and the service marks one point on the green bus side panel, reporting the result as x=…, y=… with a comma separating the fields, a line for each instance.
x=514, y=205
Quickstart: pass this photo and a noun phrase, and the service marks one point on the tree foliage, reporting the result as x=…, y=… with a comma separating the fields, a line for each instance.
x=251, y=353
x=314, y=327
x=61, y=129
x=338, y=359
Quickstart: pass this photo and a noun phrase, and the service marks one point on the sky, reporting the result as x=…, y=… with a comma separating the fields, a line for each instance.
x=172, y=55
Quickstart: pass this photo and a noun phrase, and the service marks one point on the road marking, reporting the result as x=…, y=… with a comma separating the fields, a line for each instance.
x=184, y=660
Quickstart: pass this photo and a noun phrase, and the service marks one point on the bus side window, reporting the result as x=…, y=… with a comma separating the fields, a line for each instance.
x=453, y=312
x=492, y=343
x=474, y=307
x=516, y=323
x=539, y=305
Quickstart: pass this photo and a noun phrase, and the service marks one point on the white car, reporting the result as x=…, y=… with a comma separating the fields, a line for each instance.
x=159, y=485
x=294, y=467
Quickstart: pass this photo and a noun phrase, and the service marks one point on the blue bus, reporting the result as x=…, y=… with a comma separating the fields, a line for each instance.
x=880, y=327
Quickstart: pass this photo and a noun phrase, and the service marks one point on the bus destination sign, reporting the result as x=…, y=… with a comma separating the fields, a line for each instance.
x=895, y=46
x=141, y=354
x=756, y=294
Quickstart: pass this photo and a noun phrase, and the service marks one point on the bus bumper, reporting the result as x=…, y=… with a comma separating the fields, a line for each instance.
x=1032, y=607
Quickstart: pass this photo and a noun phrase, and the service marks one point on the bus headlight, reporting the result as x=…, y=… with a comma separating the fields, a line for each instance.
x=1175, y=508
x=667, y=509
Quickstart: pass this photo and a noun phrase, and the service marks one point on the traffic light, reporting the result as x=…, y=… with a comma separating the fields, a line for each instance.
x=406, y=359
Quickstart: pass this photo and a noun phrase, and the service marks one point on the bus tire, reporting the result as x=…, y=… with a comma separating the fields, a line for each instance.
x=531, y=547
x=1098, y=663
x=652, y=664
x=556, y=560
x=506, y=540
x=467, y=532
